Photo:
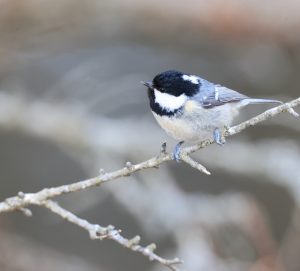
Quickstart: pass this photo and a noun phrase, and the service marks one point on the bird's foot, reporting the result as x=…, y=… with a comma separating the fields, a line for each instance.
x=218, y=137
x=177, y=150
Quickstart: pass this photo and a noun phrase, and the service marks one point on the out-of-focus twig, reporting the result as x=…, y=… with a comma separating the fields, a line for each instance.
x=33, y=255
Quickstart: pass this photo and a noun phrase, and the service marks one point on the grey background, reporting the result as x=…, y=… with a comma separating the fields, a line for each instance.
x=77, y=66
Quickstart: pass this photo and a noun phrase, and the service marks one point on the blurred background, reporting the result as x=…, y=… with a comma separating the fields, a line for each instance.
x=71, y=103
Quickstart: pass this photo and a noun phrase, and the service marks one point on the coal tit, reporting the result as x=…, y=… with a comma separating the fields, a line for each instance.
x=190, y=108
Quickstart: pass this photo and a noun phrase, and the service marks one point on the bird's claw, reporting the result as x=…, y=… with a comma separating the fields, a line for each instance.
x=177, y=151
x=218, y=137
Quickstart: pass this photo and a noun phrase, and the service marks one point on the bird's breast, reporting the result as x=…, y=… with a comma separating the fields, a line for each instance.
x=176, y=127
x=195, y=123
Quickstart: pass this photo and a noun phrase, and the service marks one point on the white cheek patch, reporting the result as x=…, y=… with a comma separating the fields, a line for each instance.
x=169, y=102
x=192, y=78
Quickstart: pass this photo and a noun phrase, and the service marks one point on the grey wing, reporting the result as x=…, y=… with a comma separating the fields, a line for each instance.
x=216, y=95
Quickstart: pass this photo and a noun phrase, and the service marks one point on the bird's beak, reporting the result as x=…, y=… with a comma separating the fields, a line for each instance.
x=147, y=84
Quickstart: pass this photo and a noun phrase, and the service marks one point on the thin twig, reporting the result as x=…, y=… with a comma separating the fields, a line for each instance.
x=98, y=232
x=187, y=159
x=23, y=200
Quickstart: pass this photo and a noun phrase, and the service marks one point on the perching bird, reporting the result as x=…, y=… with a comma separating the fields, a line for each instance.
x=191, y=109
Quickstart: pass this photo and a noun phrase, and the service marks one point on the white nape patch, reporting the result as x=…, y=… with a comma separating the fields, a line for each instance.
x=192, y=78
x=169, y=102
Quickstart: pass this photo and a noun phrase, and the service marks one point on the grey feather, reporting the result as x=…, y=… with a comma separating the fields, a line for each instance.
x=211, y=95
x=260, y=101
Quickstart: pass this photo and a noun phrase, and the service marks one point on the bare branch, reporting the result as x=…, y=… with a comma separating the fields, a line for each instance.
x=187, y=159
x=22, y=200
x=98, y=232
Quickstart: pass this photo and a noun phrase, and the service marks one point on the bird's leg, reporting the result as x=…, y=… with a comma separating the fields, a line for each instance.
x=218, y=137
x=177, y=149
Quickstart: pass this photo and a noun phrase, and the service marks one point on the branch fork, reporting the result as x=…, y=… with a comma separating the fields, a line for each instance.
x=44, y=197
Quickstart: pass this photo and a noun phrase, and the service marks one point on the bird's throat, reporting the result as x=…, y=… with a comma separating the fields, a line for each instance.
x=164, y=103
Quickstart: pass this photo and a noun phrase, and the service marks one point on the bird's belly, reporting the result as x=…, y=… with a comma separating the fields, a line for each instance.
x=176, y=127
x=198, y=124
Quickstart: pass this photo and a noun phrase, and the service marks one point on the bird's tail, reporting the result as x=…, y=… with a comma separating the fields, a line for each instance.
x=263, y=101
x=258, y=101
